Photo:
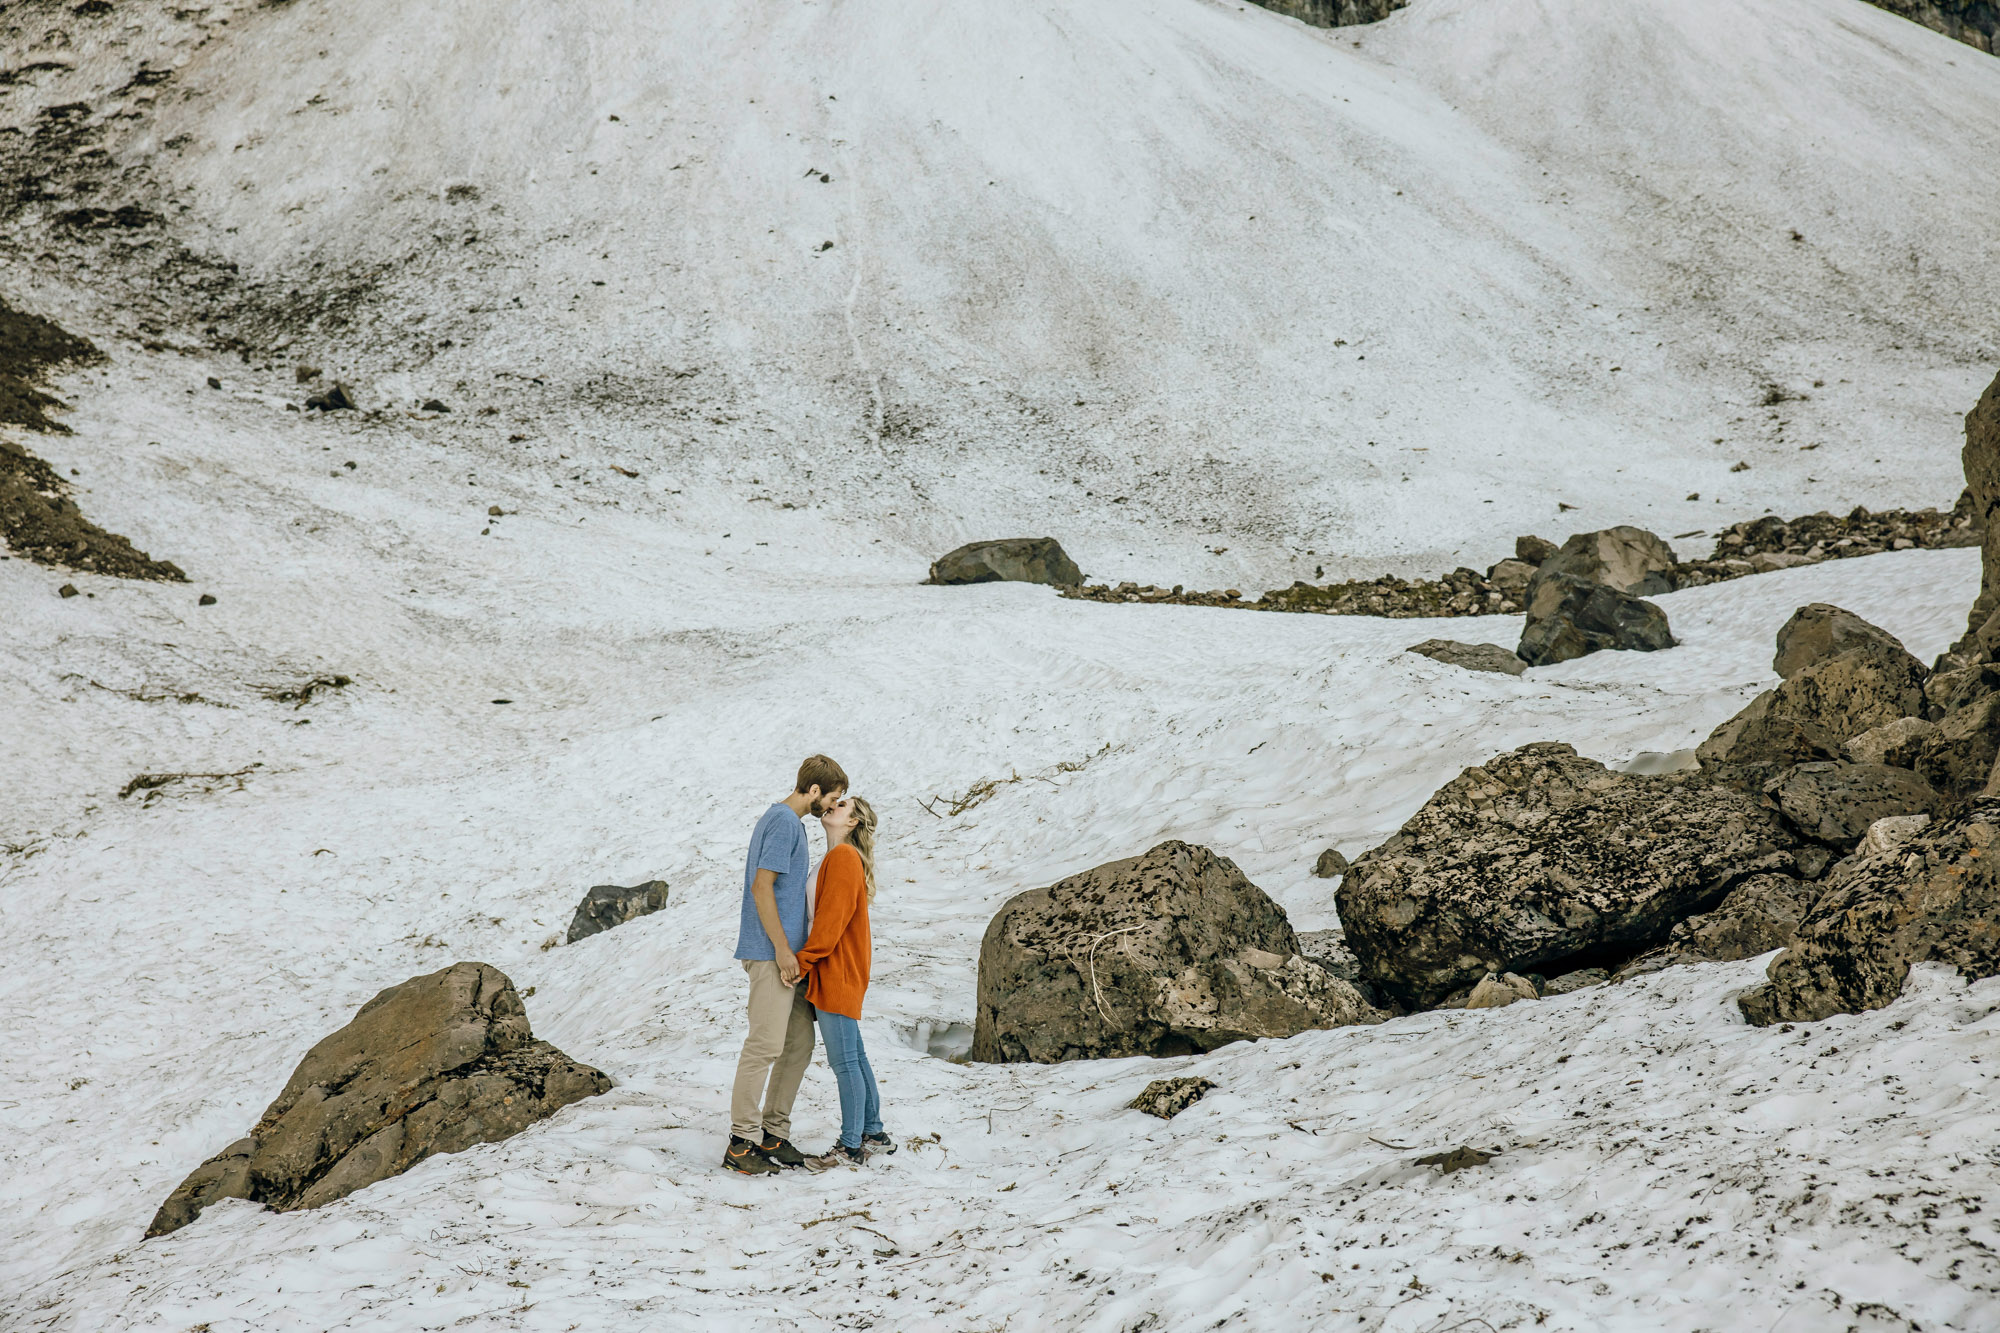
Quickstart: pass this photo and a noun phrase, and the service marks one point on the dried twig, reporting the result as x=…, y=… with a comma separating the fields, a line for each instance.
x=836, y=1217
x=148, y=782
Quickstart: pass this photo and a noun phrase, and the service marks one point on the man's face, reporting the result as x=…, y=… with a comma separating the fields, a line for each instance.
x=821, y=802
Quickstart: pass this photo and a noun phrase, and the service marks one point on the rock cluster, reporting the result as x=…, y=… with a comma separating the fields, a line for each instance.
x=1168, y=953
x=433, y=1065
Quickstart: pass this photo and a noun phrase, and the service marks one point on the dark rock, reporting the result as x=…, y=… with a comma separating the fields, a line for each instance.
x=66, y=591
x=1568, y=618
x=1893, y=743
x=206, y=599
x=1543, y=857
x=335, y=399
x=1012, y=560
x=1534, y=550
x=608, y=905
x=1959, y=756
x=1333, y=13
x=1820, y=631
x=1581, y=979
x=1625, y=559
x=435, y=1064
x=1932, y=898
x=1759, y=915
x=434, y=405
x=1457, y=1159
x=1835, y=803
x=1330, y=864
x=1168, y=1097
x=1167, y=953
x=1974, y=22
x=1471, y=656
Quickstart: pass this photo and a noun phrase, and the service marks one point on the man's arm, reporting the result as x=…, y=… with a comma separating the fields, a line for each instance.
x=763, y=892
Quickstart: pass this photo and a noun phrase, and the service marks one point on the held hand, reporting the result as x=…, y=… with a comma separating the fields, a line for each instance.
x=788, y=967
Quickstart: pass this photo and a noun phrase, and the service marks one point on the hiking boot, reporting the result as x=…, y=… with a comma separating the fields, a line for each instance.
x=782, y=1152
x=873, y=1144
x=838, y=1155
x=745, y=1158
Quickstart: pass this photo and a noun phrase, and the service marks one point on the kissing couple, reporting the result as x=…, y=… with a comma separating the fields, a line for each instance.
x=799, y=975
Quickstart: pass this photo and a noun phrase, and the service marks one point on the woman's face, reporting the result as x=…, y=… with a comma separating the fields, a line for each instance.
x=837, y=819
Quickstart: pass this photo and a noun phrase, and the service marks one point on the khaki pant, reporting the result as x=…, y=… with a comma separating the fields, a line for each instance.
x=780, y=1045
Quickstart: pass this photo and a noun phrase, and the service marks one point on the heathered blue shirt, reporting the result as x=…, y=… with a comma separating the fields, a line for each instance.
x=779, y=844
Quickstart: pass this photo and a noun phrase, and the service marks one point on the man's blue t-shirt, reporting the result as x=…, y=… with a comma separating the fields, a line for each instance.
x=779, y=844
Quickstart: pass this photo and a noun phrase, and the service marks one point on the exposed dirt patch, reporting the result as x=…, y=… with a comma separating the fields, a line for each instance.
x=38, y=520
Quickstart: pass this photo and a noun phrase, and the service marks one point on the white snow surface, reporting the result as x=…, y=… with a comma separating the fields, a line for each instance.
x=673, y=643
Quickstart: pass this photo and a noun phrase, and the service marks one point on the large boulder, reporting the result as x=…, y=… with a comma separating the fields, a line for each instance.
x=608, y=905
x=433, y=1065
x=1539, y=856
x=1010, y=560
x=1982, y=479
x=1163, y=954
x=1959, y=756
x=1568, y=618
x=1471, y=656
x=1934, y=897
x=1625, y=559
x=1836, y=803
x=1812, y=715
x=1818, y=631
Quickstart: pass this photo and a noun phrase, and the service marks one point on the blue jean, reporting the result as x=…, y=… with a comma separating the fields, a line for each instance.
x=860, y=1104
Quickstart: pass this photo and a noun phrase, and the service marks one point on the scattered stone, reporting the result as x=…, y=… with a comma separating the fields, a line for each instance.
x=1457, y=1159
x=1836, y=802
x=433, y=1065
x=608, y=905
x=1497, y=992
x=1330, y=864
x=495, y=511
x=206, y=599
x=434, y=405
x=1511, y=577
x=1624, y=558
x=1934, y=897
x=1539, y=856
x=1168, y=953
x=1568, y=619
x=1893, y=743
x=334, y=399
x=1819, y=631
x=1534, y=550
x=1581, y=979
x=305, y=374
x=1012, y=560
x=68, y=590
x=1168, y=1097
x=1471, y=656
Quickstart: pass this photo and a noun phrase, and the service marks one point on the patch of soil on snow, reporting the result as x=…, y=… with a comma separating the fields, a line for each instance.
x=38, y=519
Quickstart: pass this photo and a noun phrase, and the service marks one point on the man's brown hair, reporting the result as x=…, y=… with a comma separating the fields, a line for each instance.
x=821, y=772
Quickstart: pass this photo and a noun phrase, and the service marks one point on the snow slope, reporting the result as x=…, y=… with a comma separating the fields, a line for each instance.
x=1164, y=275
x=672, y=643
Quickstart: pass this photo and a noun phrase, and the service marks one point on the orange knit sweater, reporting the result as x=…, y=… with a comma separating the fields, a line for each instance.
x=838, y=952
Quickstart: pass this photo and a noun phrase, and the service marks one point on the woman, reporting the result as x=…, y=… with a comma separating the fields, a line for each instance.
x=834, y=963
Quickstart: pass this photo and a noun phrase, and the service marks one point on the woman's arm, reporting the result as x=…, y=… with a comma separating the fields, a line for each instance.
x=839, y=896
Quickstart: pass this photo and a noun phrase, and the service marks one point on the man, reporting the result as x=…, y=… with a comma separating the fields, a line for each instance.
x=773, y=929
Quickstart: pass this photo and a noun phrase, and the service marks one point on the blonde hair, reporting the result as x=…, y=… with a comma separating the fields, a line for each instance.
x=862, y=837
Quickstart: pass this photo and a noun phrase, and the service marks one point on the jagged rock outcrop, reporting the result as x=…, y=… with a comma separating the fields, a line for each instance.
x=1819, y=631
x=1167, y=953
x=1333, y=13
x=1960, y=755
x=609, y=905
x=1814, y=713
x=1933, y=897
x=1974, y=22
x=433, y=1065
x=1981, y=458
x=1540, y=860
x=1009, y=560
x=1568, y=618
